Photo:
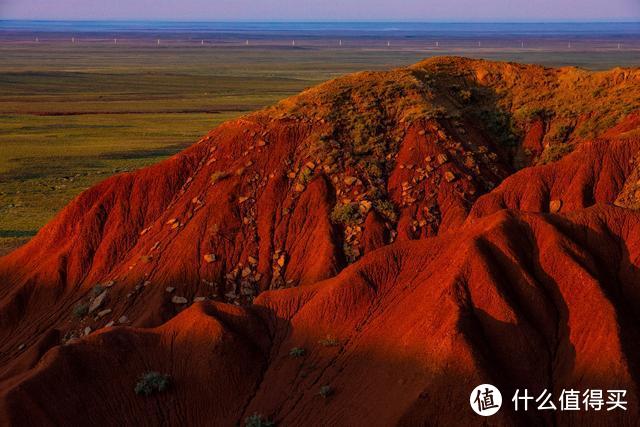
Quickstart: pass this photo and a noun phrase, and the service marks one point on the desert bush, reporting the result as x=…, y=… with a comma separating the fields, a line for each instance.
x=351, y=253
x=465, y=95
x=373, y=170
x=434, y=113
x=562, y=133
x=81, y=310
x=326, y=391
x=555, y=152
x=386, y=209
x=297, y=352
x=531, y=114
x=96, y=290
x=329, y=341
x=305, y=176
x=500, y=124
x=257, y=420
x=152, y=382
x=345, y=214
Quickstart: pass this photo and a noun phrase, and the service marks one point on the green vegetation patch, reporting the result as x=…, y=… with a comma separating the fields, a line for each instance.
x=151, y=383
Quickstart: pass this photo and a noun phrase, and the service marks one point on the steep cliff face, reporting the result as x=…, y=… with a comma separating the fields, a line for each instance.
x=415, y=232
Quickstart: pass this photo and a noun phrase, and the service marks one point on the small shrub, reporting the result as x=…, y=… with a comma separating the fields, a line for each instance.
x=345, y=214
x=373, y=171
x=465, y=95
x=325, y=391
x=386, y=209
x=297, y=352
x=329, y=341
x=81, y=310
x=152, y=382
x=96, y=290
x=555, y=152
x=305, y=176
x=500, y=124
x=562, y=133
x=351, y=253
x=257, y=420
x=531, y=114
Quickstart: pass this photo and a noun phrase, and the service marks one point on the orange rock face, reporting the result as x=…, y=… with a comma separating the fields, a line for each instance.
x=365, y=253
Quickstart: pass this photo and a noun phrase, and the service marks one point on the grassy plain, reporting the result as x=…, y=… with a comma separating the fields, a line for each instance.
x=71, y=115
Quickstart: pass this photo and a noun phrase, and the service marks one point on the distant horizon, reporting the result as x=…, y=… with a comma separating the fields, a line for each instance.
x=452, y=11
x=320, y=21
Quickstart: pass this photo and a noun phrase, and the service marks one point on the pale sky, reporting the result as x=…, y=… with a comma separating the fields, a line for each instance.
x=414, y=10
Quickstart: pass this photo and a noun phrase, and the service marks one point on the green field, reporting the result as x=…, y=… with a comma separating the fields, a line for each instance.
x=72, y=115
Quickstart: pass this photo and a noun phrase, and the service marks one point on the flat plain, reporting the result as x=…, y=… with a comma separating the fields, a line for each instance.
x=72, y=114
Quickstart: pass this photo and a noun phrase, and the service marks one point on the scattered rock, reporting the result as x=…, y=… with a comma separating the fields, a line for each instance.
x=208, y=258
x=170, y=289
x=449, y=176
x=281, y=260
x=97, y=302
x=199, y=299
x=629, y=196
x=246, y=272
x=179, y=300
x=555, y=206
x=123, y=319
x=104, y=312
x=87, y=330
x=365, y=206
x=350, y=180
x=442, y=159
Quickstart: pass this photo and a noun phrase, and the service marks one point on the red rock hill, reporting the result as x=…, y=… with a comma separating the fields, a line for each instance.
x=411, y=233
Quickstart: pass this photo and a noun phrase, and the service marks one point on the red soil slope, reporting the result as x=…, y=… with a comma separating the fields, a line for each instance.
x=413, y=269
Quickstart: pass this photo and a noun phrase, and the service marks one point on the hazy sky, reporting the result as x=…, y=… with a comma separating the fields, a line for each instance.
x=423, y=10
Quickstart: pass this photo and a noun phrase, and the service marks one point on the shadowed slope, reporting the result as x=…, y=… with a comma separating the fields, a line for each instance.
x=413, y=328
